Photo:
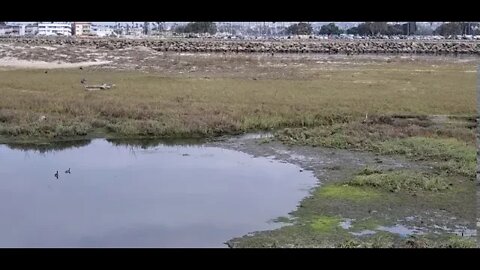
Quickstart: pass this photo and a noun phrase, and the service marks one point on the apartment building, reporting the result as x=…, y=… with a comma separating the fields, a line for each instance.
x=55, y=29
x=82, y=29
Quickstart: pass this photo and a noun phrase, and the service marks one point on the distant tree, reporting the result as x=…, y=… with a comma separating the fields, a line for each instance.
x=299, y=29
x=265, y=29
x=117, y=29
x=352, y=31
x=160, y=26
x=198, y=27
x=146, y=28
x=476, y=29
x=330, y=29
x=424, y=30
x=395, y=29
x=409, y=28
x=379, y=28
x=449, y=29
x=468, y=27
x=372, y=28
x=363, y=29
x=179, y=29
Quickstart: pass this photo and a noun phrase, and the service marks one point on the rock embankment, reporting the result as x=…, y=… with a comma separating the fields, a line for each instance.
x=285, y=46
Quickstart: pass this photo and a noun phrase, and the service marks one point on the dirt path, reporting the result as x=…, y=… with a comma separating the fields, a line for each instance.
x=11, y=62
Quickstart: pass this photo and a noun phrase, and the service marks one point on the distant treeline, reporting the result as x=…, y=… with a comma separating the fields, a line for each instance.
x=363, y=29
x=383, y=28
x=198, y=28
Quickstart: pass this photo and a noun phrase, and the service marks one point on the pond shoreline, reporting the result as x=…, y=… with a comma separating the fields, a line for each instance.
x=141, y=193
x=458, y=224
x=324, y=164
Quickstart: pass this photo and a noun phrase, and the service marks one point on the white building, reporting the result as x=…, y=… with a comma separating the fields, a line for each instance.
x=31, y=29
x=12, y=30
x=5, y=30
x=81, y=28
x=135, y=31
x=55, y=29
x=102, y=31
x=21, y=30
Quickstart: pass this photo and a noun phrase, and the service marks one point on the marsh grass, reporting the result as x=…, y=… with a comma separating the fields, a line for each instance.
x=397, y=181
x=150, y=104
x=348, y=192
x=450, y=155
x=317, y=220
x=459, y=242
x=366, y=224
x=325, y=224
x=453, y=156
x=453, y=241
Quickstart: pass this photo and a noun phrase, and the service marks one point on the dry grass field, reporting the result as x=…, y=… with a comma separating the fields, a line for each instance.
x=154, y=104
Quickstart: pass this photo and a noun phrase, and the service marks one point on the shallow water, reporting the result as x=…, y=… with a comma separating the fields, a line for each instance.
x=401, y=230
x=364, y=232
x=346, y=224
x=125, y=194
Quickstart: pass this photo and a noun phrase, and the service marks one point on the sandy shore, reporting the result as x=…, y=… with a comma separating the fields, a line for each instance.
x=11, y=62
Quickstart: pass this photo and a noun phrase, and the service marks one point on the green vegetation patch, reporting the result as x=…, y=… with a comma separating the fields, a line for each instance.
x=430, y=148
x=325, y=224
x=460, y=242
x=283, y=220
x=451, y=155
x=408, y=181
x=348, y=192
x=378, y=240
x=333, y=136
x=365, y=224
x=453, y=241
x=455, y=156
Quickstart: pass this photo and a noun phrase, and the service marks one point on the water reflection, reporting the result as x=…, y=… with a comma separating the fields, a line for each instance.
x=48, y=147
x=148, y=143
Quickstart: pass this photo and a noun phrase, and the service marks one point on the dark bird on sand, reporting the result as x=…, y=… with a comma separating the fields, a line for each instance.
x=83, y=81
x=56, y=175
x=68, y=171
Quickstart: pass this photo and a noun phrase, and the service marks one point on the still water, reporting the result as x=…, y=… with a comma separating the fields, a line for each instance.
x=128, y=195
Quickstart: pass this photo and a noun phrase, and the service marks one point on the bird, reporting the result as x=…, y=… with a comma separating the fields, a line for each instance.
x=81, y=68
x=68, y=171
x=56, y=175
x=83, y=81
x=46, y=72
x=366, y=118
